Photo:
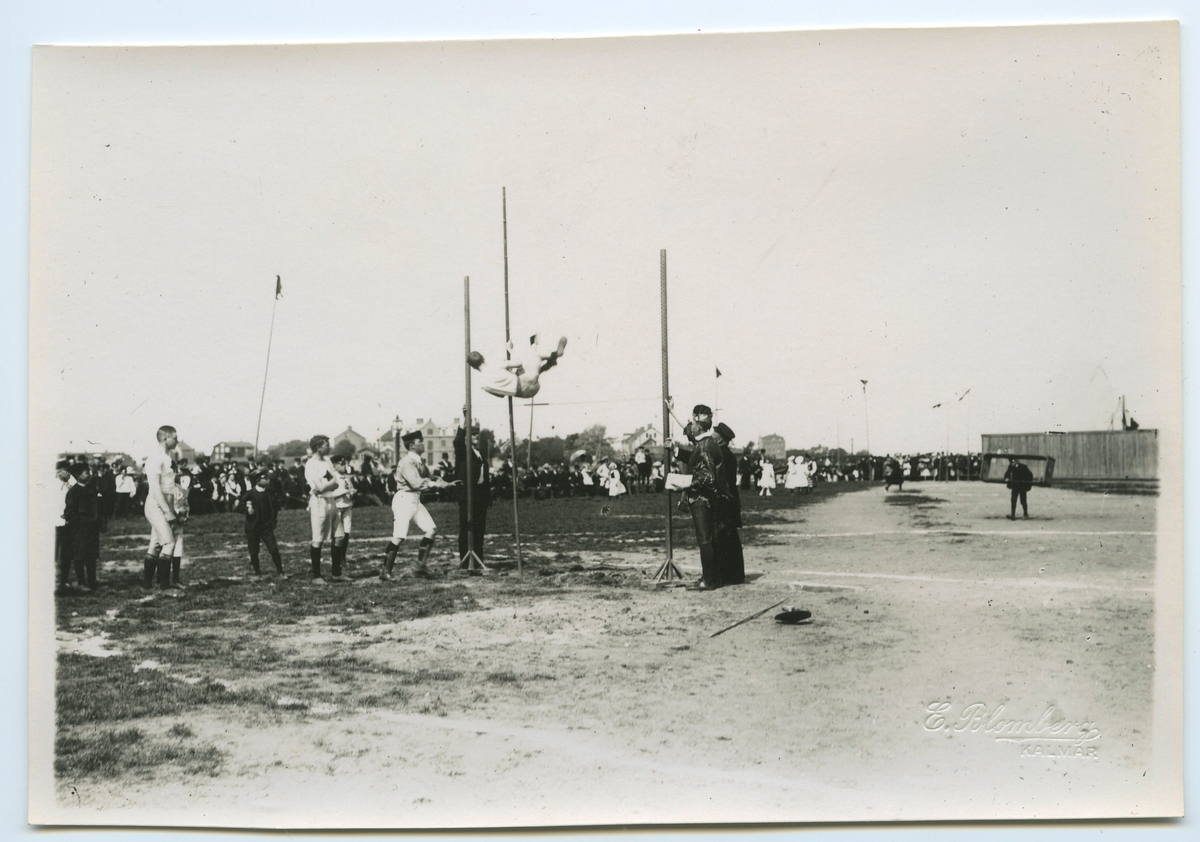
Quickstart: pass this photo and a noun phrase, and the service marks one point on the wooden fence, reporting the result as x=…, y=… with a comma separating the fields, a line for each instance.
x=1101, y=454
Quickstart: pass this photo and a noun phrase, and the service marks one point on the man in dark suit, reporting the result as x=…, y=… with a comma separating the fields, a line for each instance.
x=82, y=514
x=481, y=492
x=1019, y=480
x=261, y=513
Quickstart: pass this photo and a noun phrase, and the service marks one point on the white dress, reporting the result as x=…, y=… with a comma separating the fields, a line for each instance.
x=801, y=473
x=615, y=487
x=767, y=480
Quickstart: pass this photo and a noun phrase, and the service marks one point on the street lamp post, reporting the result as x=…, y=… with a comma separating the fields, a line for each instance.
x=396, y=442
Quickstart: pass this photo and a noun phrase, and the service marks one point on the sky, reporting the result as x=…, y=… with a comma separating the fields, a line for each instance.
x=932, y=211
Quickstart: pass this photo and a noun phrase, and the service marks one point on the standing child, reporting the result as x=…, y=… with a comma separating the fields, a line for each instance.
x=766, y=480
x=343, y=502
x=261, y=515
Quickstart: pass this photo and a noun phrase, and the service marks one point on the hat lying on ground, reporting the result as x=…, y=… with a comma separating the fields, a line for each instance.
x=792, y=616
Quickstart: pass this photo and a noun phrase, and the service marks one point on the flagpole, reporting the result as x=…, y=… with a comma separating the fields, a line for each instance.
x=267, y=367
x=717, y=395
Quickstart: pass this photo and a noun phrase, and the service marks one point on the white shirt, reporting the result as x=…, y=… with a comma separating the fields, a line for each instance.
x=60, y=500
x=318, y=471
x=498, y=381
x=160, y=470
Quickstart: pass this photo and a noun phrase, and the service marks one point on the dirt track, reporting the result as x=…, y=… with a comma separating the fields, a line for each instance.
x=615, y=706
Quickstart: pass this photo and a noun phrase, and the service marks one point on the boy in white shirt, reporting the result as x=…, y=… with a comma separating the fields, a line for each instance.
x=343, y=502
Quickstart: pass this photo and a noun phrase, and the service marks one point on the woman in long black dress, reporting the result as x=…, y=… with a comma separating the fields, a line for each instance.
x=727, y=544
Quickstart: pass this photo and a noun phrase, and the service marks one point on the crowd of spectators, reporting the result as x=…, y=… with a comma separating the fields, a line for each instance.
x=217, y=487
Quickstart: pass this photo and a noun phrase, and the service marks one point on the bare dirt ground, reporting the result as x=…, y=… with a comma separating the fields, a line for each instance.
x=613, y=705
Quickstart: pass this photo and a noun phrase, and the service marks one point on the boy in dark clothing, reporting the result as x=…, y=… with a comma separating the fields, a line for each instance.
x=261, y=515
x=82, y=514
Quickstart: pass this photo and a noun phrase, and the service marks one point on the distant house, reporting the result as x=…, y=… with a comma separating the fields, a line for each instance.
x=439, y=442
x=385, y=447
x=356, y=440
x=774, y=445
x=647, y=437
x=185, y=451
x=233, y=451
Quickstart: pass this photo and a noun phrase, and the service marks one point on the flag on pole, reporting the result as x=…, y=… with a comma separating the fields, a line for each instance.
x=278, y=288
x=718, y=371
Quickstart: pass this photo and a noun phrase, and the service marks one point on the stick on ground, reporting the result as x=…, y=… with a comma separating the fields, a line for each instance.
x=748, y=619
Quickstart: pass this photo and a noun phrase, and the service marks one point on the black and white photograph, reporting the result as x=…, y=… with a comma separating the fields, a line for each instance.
x=709, y=428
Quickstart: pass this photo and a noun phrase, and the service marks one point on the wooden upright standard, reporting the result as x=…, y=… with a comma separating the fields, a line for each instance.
x=667, y=571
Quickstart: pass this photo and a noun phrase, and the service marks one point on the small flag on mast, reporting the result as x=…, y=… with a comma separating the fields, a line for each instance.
x=718, y=371
x=278, y=288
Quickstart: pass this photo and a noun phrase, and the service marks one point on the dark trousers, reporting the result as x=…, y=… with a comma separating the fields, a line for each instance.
x=267, y=537
x=62, y=555
x=728, y=556
x=704, y=520
x=1019, y=495
x=479, y=521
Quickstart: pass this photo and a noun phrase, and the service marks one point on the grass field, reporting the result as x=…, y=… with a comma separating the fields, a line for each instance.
x=580, y=693
x=223, y=643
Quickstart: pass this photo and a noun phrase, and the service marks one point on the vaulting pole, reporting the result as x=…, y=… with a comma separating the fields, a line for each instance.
x=471, y=559
x=512, y=429
x=668, y=570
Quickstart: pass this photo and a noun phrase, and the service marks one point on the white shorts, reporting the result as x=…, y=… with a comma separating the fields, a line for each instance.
x=322, y=513
x=407, y=508
x=161, y=534
x=342, y=525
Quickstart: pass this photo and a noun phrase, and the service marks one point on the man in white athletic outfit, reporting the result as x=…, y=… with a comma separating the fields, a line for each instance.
x=517, y=378
x=412, y=477
x=160, y=510
x=322, y=481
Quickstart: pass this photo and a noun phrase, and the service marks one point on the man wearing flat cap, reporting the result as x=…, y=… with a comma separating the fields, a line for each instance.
x=708, y=495
x=412, y=477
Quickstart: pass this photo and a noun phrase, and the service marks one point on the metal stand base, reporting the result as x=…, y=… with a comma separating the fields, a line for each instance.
x=666, y=573
x=473, y=562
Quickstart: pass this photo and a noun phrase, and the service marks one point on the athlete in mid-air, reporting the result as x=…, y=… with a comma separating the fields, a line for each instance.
x=518, y=378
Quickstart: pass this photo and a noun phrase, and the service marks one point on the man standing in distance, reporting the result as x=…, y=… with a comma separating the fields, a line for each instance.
x=322, y=482
x=1019, y=480
x=412, y=477
x=62, y=532
x=160, y=509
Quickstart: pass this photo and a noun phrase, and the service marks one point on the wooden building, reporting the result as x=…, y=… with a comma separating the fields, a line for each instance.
x=1126, y=455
